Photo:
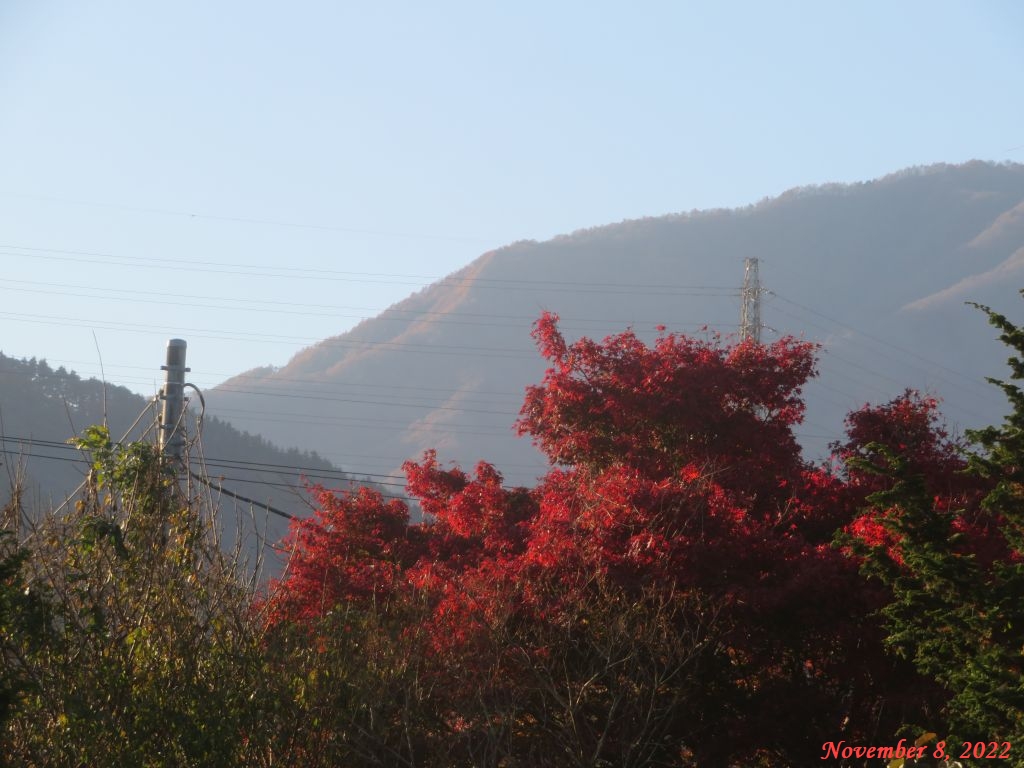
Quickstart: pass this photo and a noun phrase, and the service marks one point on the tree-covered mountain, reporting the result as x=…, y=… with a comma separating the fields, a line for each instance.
x=877, y=272
x=42, y=408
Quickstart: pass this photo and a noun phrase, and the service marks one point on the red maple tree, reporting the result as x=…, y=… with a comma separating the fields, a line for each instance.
x=677, y=497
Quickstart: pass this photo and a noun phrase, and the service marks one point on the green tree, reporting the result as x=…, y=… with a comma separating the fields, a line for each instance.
x=147, y=655
x=24, y=626
x=949, y=546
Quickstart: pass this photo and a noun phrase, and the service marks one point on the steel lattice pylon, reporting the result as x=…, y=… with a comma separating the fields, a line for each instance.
x=750, y=312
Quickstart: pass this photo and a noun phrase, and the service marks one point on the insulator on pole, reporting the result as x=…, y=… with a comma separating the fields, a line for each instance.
x=172, y=426
x=750, y=311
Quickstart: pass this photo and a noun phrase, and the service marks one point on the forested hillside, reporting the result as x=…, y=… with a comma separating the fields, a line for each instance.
x=42, y=408
x=876, y=272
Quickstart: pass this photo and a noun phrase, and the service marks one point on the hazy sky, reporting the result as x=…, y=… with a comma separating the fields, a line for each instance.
x=185, y=169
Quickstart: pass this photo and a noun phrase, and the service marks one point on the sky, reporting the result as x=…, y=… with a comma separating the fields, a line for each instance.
x=256, y=176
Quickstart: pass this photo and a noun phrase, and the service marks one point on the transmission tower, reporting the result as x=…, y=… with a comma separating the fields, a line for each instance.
x=750, y=312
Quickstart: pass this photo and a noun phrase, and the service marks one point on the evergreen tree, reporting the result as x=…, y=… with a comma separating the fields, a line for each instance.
x=949, y=546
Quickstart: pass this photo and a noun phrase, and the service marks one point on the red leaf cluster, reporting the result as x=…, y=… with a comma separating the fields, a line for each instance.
x=908, y=430
x=675, y=473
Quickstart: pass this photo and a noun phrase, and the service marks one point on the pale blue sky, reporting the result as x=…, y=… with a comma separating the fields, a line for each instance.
x=405, y=139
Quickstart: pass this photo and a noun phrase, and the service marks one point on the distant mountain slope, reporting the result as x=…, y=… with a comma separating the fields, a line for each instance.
x=876, y=271
x=40, y=408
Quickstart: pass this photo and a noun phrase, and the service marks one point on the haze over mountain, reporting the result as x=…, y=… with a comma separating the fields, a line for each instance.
x=41, y=408
x=878, y=272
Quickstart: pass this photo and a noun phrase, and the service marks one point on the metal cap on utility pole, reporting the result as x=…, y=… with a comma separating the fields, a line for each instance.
x=172, y=428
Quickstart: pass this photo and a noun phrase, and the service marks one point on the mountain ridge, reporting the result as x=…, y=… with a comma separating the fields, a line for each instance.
x=856, y=254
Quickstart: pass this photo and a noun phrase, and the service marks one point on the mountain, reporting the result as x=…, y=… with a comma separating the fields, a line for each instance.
x=878, y=272
x=41, y=408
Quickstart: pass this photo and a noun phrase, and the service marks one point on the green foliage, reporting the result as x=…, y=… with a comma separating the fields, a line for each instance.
x=24, y=624
x=129, y=638
x=933, y=617
x=954, y=567
x=146, y=656
x=353, y=689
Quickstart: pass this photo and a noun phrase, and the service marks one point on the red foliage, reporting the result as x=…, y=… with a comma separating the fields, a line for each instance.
x=908, y=427
x=354, y=549
x=679, y=474
x=723, y=411
x=478, y=513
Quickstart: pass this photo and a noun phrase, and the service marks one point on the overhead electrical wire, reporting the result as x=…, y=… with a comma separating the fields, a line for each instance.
x=828, y=361
x=215, y=480
x=366, y=423
x=254, y=220
x=230, y=387
x=903, y=351
x=443, y=348
x=23, y=454
x=320, y=384
x=247, y=480
x=263, y=338
x=388, y=403
x=859, y=335
x=388, y=314
x=259, y=337
x=299, y=273
x=221, y=489
x=255, y=466
x=979, y=386
x=446, y=349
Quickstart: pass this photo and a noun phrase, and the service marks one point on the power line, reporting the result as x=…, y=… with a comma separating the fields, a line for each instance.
x=490, y=351
x=881, y=341
x=285, y=470
x=251, y=481
x=220, y=489
x=264, y=338
x=387, y=403
x=830, y=356
x=979, y=386
x=305, y=273
x=216, y=461
x=75, y=459
x=313, y=474
x=254, y=337
x=365, y=423
x=319, y=383
x=265, y=306
x=355, y=401
x=255, y=220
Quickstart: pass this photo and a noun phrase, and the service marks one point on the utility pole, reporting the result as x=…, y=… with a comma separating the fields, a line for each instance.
x=750, y=312
x=172, y=426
